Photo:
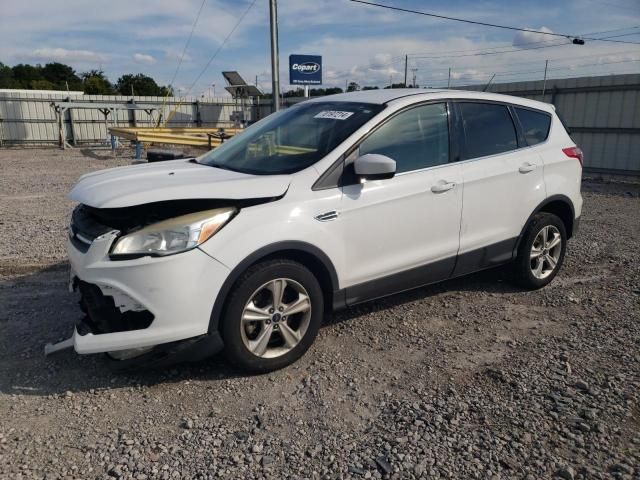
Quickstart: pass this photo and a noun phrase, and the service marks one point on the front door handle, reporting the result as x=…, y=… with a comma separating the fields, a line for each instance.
x=526, y=168
x=442, y=187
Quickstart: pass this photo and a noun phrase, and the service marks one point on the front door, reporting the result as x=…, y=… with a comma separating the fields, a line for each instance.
x=403, y=232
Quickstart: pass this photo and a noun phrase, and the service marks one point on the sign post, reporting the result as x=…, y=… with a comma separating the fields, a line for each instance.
x=275, y=64
x=305, y=70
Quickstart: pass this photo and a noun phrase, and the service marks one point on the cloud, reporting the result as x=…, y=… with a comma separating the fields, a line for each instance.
x=358, y=42
x=524, y=38
x=143, y=58
x=175, y=55
x=64, y=55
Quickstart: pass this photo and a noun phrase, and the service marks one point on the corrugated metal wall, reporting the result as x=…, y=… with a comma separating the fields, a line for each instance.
x=603, y=114
x=30, y=118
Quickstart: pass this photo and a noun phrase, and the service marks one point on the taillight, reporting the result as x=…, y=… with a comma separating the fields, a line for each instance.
x=574, y=152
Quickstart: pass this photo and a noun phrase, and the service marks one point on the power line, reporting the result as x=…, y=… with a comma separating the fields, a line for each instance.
x=533, y=62
x=221, y=46
x=485, y=24
x=491, y=50
x=186, y=45
x=512, y=73
x=479, y=53
x=510, y=45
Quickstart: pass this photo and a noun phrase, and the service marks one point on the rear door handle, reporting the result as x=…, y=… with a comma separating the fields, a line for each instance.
x=442, y=187
x=526, y=168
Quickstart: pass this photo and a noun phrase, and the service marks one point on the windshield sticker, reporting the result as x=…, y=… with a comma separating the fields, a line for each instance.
x=334, y=114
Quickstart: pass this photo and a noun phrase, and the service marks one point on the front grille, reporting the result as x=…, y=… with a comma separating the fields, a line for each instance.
x=103, y=316
x=84, y=229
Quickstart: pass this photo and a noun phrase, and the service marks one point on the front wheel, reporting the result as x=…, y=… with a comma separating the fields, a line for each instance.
x=272, y=316
x=541, y=252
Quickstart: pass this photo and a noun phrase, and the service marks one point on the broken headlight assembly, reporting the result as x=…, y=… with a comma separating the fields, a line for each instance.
x=174, y=235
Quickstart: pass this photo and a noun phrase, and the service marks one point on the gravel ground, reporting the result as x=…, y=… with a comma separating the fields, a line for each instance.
x=472, y=378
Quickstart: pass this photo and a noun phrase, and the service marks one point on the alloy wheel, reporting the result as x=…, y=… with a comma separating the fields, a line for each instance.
x=545, y=252
x=275, y=318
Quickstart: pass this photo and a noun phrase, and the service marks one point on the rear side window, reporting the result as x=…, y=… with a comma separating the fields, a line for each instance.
x=488, y=129
x=535, y=125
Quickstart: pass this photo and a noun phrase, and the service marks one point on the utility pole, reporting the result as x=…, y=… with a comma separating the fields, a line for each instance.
x=275, y=63
x=544, y=82
x=406, y=60
x=414, y=70
x=449, y=81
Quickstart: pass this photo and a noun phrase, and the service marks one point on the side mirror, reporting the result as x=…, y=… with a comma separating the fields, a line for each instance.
x=373, y=166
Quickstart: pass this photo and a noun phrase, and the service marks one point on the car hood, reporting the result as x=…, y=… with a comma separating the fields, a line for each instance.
x=172, y=180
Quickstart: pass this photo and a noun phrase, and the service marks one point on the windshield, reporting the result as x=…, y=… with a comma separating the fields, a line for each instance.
x=292, y=139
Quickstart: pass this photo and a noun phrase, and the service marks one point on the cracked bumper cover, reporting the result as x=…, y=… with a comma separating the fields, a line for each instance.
x=178, y=290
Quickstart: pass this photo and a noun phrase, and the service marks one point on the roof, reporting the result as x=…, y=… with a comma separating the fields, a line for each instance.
x=379, y=96
x=408, y=95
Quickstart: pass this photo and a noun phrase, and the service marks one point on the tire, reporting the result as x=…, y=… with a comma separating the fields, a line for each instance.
x=533, y=251
x=252, y=314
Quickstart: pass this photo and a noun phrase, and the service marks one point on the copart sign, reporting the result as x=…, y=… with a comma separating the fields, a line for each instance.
x=305, y=70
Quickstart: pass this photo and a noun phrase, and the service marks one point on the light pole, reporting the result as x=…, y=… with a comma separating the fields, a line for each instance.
x=275, y=64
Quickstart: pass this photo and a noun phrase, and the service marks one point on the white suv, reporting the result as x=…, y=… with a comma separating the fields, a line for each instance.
x=335, y=201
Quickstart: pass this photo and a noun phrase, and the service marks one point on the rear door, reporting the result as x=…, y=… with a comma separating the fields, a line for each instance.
x=403, y=232
x=503, y=184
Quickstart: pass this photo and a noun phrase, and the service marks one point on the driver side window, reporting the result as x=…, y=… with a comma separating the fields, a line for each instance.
x=417, y=138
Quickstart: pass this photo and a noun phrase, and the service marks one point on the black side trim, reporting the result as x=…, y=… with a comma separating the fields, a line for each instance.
x=399, y=282
x=485, y=257
x=263, y=252
x=331, y=177
x=518, y=126
x=470, y=262
x=547, y=201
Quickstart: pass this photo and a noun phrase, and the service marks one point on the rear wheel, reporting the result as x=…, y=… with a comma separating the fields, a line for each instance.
x=272, y=316
x=541, y=252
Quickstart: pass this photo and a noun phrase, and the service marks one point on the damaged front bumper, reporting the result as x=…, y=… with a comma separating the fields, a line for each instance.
x=137, y=304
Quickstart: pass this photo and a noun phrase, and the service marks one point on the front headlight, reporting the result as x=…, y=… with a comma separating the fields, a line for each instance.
x=175, y=235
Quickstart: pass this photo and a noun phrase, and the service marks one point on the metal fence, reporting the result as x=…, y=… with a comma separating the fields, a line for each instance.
x=59, y=118
x=603, y=114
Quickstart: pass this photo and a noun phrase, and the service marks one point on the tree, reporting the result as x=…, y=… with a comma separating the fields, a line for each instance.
x=298, y=92
x=42, y=85
x=371, y=88
x=6, y=77
x=96, y=83
x=353, y=87
x=319, y=92
x=62, y=76
x=396, y=85
x=140, y=84
x=58, y=76
x=25, y=74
